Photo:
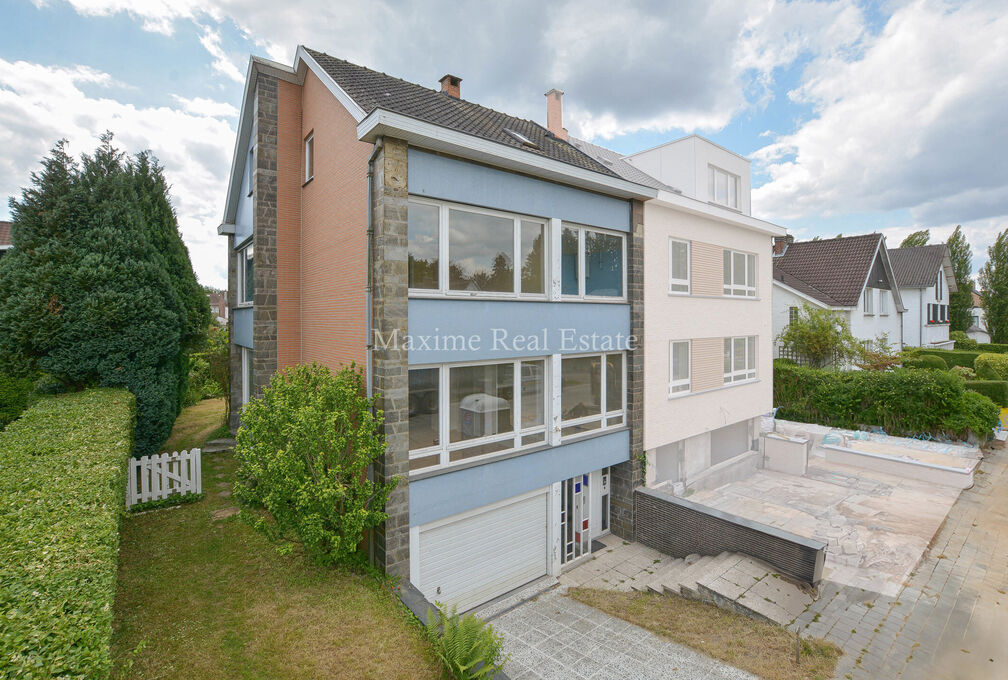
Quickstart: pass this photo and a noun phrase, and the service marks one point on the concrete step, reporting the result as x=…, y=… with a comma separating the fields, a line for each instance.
x=755, y=589
x=654, y=584
x=681, y=582
x=716, y=566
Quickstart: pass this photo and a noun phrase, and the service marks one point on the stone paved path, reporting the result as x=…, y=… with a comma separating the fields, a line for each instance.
x=951, y=620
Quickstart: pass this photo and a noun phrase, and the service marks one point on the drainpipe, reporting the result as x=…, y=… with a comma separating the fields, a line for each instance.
x=369, y=344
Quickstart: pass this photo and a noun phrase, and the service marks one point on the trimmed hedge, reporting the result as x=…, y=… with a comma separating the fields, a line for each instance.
x=992, y=347
x=16, y=394
x=926, y=361
x=951, y=357
x=990, y=366
x=62, y=494
x=995, y=390
x=902, y=402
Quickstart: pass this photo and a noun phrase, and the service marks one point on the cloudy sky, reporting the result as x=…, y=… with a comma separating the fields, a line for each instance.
x=857, y=116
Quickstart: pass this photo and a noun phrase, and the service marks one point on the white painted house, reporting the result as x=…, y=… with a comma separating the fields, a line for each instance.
x=851, y=275
x=926, y=279
x=708, y=370
x=978, y=321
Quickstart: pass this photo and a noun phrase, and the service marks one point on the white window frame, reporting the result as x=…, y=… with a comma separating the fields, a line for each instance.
x=673, y=281
x=793, y=314
x=446, y=447
x=605, y=416
x=676, y=386
x=748, y=373
x=868, y=303
x=732, y=289
x=883, y=302
x=581, y=230
x=309, y=157
x=712, y=174
x=938, y=286
x=443, y=289
x=245, y=296
x=246, y=387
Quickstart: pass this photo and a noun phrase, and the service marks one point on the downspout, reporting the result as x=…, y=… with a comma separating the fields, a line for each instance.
x=369, y=340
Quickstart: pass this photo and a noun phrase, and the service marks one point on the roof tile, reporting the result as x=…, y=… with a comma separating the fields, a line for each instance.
x=831, y=270
x=917, y=267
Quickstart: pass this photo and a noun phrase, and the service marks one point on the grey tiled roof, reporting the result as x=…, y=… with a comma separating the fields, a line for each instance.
x=374, y=90
x=615, y=162
x=917, y=267
x=5, y=234
x=832, y=271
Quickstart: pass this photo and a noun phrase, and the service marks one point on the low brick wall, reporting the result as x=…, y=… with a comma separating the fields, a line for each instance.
x=679, y=527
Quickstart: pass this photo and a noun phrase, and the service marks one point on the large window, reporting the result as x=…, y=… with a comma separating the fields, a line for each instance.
x=679, y=266
x=461, y=412
x=679, y=367
x=591, y=263
x=739, y=273
x=481, y=248
x=739, y=359
x=722, y=187
x=246, y=274
x=592, y=393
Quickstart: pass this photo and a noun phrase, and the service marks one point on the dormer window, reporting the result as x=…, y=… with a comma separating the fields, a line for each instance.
x=722, y=187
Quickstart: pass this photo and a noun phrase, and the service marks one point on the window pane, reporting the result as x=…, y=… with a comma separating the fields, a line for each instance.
x=679, y=255
x=710, y=183
x=603, y=264
x=751, y=271
x=721, y=180
x=569, y=262
x=680, y=361
x=727, y=267
x=580, y=387
x=727, y=355
x=533, y=251
x=309, y=158
x=533, y=393
x=733, y=192
x=614, y=382
x=249, y=268
x=423, y=408
x=480, y=400
x=480, y=252
x=739, y=265
x=738, y=352
x=422, y=236
x=751, y=363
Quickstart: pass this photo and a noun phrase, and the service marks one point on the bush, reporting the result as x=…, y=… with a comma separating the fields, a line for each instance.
x=963, y=372
x=467, y=646
x=62, y=494
x=16, y=394
x=952, y=357
x=991, y=347
x=202, y=383
x=902, y=402
x=303, y=451
x=963, y=341
x=992, y=366
x=925, y=361
x=995, y=390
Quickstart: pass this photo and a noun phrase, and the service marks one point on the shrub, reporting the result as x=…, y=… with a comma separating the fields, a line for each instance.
x=995, y=390
x=952, y=357
x=467, y=646
x=202, y=382
x=976, y=414
x=963, y=341
x=16, y=394
x=963, y=372
x=992, y=366
x=991, y=347
x=925, y=361
x=303, y=450
x=821, y=336
x=62, y=494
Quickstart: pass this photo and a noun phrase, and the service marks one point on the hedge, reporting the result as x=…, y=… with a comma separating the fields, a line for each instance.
x=952, y=357
x=926, y=361
x=62, y=494
x=901, y=402
x=995, y=390
x=992, y=347
x=991, y=366
x=15, y=396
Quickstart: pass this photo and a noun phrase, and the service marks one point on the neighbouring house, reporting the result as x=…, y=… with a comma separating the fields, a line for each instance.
x=5, y=238
x=488, y=276
x=218, y=306
x=925, y=278
x=978, y=321
x=707, y=332
x=851, y=275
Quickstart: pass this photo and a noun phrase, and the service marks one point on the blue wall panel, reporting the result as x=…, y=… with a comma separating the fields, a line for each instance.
x=455, y=492
x=454, y=180
x=242, y=326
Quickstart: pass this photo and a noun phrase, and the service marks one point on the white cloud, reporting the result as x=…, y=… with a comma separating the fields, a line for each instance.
x=157, y=16
x=202, y=106
x=211, y=41
x=41, y=104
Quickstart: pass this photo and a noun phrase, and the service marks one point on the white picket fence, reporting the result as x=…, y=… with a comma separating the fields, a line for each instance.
x=153, y=478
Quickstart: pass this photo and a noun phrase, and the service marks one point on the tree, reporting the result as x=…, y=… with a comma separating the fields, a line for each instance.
x=98, y=289
x=822, y=337
x=918, y=238
x=994, y=285
x=961, y=302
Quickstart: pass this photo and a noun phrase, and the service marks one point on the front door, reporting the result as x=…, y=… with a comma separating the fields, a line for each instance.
x=575, y=525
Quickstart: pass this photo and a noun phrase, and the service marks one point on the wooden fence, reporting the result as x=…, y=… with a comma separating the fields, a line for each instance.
x=153, y=478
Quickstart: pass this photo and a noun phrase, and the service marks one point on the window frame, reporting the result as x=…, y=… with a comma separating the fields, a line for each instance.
x=444, y=249
x=309, y=157
x=245, y=297
x=582, y=268
x=712, y=174
x=673, y=281
x=883, y=302
x=730, y=289
x=868, y=303
x=246, y=378
x=793, y=314
x=674, y=393
x=749, y=373
x=250, y=168
x=605, y=415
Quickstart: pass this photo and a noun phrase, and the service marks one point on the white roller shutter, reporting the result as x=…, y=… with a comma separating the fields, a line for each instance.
x=471, y=558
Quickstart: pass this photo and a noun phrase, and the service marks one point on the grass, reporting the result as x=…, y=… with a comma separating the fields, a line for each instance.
x=204, y=596
x=763, y=649
x=198, y=424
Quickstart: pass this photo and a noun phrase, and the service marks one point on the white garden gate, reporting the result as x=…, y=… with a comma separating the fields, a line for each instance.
x=153, y=478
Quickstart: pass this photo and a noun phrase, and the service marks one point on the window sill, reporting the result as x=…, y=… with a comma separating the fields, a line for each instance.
x=717, y=297
x=308, y=181
x=679, y=395
x=421, y=293
x=726, y=207
x=244, y=305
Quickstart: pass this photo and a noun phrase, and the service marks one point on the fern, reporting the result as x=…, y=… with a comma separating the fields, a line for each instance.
x=467, y=646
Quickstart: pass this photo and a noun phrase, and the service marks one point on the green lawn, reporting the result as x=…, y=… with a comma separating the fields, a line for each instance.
x=210, y=598
x=197, y=424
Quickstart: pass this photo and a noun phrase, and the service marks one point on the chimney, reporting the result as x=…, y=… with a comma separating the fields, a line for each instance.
x=554, y=113
x=451, y=85
x=781, y=243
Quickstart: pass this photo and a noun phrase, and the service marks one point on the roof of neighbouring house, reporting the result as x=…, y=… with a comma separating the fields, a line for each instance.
x=617, y=164
x=5, y=234
x=977, y=302
x=832, y=271
x=374, y=90
x=916, y=267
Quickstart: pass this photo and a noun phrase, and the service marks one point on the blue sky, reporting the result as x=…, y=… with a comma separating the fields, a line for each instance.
x=857, y=116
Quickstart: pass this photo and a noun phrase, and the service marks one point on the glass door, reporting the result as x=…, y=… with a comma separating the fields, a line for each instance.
x=574, y=518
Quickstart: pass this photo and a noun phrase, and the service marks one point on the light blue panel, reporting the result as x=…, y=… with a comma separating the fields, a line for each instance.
x=455, y=492
x=242, y=318
x=448, y=330
x=454, y=180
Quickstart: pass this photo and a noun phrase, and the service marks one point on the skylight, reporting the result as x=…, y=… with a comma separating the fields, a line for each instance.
x=525, y=141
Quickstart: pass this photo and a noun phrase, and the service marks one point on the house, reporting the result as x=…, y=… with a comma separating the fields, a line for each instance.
x=707, y=301
x=925, y=278
x=851, y=275
x=978, y=321
x=485, y=272
x=5, y=238
x=218, y=306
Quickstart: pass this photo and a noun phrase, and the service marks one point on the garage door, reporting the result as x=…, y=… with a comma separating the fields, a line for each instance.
x=468, y=559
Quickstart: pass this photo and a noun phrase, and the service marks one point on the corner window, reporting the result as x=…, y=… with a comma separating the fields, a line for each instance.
x=938, y=287
x=739, y=273
x=739, y=359
x=869, y=301
x=592, y=393
x=592, y=263
x=249, y=166
x=246, y=274
x=246, y=374
x=309, y=157
x=722, y=187
x=679, y=367
x=679, y=266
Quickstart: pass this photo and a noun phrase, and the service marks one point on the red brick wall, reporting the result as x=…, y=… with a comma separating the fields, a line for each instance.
x=288, y=224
